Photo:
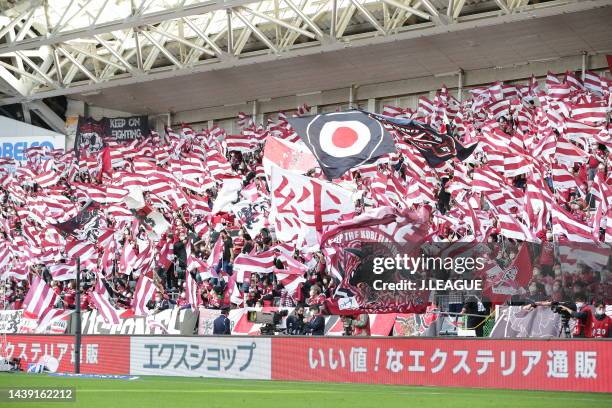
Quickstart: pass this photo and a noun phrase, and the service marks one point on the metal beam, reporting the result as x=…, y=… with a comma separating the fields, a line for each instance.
x=17, y=85
x=14, y=22
x=409, y=9
x=58, y=67
x=182, y=41
x=278, y=22
x=27, y=118
x=204, y=37
x=8, y=77
x=94, y=56
x=458, y=7
x=35, y=67
x=230, y=32
x=115, y=53
x=51, y=118
x=502, y=5
x=79, y=65
x=256, y=31
x=161, y=48
x=431, y=8
x=124, y=23
x=305, y=18
x=368, y=16
x=541, y=10
x=138, y=50
x=334, y=19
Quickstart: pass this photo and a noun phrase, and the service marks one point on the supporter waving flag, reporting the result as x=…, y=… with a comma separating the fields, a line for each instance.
x=145, y=288
x=101, y=300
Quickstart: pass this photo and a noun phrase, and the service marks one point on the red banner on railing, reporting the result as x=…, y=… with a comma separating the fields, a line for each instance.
x=525, y=364
x=99, y=354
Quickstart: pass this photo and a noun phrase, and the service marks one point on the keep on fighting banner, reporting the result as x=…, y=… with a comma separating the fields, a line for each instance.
x=90, y=132
x=13, y=321
x=555, y=365
x=15, y=147
x=175, y=321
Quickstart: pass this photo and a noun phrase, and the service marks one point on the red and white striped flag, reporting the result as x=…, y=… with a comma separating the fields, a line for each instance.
x=65, y=271
x=47, y=179
x=145, y=288
x=100, y=299
x=245, y=120
x=567, y=153
x=560, y=91
x=128, y=258
x=49, y=316
x=485, y=179
x=425, y=107
x=290, y=281
x=191, y=289
x=40, y=297
x=510, y=227
x=565, y=224
x=589, y=113
x=562, y=178
x=262, y=262
x=594, y=82
x=241, y=143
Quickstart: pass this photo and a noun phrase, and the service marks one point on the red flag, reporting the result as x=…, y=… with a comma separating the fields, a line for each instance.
x=107, y=166
x=609, y=58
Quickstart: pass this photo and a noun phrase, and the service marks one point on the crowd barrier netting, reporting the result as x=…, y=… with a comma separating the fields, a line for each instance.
x=563, y=365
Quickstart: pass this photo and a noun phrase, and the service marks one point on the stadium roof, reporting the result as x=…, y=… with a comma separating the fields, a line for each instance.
x=202, y=53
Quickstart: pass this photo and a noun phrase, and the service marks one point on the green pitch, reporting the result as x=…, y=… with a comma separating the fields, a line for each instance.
x=178, y=392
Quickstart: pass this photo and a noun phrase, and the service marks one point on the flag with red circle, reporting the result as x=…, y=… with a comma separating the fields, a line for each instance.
x=343, y=140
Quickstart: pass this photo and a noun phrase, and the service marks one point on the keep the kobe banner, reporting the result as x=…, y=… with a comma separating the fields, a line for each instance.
x=354, y=248
x=91, y=134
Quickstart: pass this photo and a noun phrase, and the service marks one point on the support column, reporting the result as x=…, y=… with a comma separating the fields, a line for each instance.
x=372, y=105
x=352, y=92
x=26, y=113
x=460, y=84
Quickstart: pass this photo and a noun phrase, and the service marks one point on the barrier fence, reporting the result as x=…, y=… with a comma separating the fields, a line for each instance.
x=563, y=365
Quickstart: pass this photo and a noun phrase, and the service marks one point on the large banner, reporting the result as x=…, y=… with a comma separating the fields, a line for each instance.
x=99, y=354
x=218, y=357
x=528, y=364
x=13, y=321
x=169, y=321
x=90, y=133
x=15, y=147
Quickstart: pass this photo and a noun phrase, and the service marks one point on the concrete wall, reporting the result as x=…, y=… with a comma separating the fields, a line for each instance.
x=372, y=96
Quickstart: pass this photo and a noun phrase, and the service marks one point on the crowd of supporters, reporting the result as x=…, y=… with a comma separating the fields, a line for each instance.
x=29, y=204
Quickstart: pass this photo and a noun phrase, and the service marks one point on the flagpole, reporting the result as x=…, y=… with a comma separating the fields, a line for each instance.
x=77, y=339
